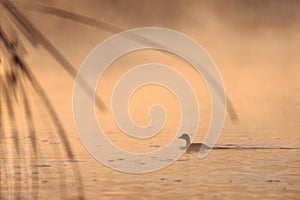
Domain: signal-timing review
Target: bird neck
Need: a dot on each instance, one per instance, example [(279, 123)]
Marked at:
[(188, 142)]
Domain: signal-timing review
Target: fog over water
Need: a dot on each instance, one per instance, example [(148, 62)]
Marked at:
[(255, 45)]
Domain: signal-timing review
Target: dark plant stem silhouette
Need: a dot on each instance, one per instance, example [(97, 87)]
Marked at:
[(14, 83), (104, 26)]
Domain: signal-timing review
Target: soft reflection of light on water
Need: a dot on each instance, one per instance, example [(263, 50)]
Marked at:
[(230, 174)]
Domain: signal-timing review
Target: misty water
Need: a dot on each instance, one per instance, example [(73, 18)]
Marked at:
[(47, 170), (256, 49)]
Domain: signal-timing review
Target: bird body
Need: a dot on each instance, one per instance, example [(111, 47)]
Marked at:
[(195, 147), (191, 147)]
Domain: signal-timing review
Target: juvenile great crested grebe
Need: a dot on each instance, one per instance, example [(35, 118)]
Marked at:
[(196, 147), (190, 147)]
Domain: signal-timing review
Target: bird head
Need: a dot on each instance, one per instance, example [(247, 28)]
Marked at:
[(186, 137)]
